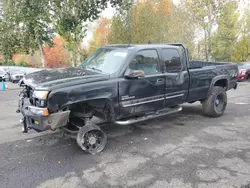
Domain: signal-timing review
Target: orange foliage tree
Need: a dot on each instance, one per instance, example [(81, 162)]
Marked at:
[(21, 59), (56, 56), (31, 60), (100, 35)]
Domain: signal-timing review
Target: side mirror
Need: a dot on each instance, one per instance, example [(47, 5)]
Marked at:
[(134, 73)]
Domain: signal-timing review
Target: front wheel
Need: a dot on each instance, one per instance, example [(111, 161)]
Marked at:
[(215, 104), (91, 138)]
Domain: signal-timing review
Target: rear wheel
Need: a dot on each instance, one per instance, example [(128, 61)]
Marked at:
[(215, 104), (91, 138), (248, 78)]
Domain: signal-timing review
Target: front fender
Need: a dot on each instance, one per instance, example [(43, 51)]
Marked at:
[(63, 97)]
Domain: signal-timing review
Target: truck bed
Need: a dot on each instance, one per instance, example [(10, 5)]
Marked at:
[(201, 64), (202, 74)]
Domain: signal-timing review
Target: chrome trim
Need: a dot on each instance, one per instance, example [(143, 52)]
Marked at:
[(174, 96), (127, 97), (144, 102), (131, 121)]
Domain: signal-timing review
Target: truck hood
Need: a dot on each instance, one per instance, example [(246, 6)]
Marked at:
[(56, 78)]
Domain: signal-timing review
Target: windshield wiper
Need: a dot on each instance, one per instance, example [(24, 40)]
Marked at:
[(93, 68)]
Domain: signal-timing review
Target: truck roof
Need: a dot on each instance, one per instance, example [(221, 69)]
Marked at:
[(168, 45)]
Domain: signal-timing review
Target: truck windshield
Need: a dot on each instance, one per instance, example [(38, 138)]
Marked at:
[(105, 60)]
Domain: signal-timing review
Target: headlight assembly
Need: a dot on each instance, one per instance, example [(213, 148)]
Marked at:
[(39, 111), (40, 94)]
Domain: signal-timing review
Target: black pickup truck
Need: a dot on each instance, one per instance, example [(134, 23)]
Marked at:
[(122, 84)]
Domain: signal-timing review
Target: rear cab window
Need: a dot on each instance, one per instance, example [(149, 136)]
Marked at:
[(172, 60)]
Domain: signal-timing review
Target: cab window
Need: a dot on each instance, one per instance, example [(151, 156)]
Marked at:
[(172, 60), (146, 60)]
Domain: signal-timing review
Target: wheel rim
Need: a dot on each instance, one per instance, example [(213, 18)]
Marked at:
[(93, 141), (220, 103)]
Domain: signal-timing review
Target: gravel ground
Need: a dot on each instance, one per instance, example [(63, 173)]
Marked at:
[(182, 150)]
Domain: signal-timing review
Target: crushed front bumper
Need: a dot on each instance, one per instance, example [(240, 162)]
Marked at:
[(38, 122)]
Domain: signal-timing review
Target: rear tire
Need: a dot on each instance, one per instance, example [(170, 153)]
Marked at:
[(248, 78), (215, 104)]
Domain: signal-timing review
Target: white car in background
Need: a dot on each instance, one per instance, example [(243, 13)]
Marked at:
[(3, 75), (16, 76)]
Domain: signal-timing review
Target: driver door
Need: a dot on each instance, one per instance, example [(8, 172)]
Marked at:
[(143, 94)]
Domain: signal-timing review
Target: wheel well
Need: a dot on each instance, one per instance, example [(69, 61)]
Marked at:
[(222, 83), (101, 108)]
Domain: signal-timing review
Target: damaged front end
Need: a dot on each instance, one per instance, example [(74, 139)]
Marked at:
[(35, 114)]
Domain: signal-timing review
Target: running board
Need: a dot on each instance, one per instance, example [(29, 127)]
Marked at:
[(159, 113)]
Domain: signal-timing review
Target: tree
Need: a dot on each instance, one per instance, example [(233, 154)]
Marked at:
[(34, 23), (21, 60), (181, 28), (225, 37), (56, 56), (71, 16), (9, 44), (204, 13), (120, 29), (100, 35), (155, 21), (141, 23), (30, 25), (242, 47), (241, 52), (9, 33)]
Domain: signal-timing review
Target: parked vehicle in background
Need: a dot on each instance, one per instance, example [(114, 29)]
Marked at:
[(3, 75), (243, 72), (16, 76), (122, 84), (11, 70)]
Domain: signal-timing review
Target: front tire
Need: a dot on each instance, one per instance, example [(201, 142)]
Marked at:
[(91, 138), (215, 104)]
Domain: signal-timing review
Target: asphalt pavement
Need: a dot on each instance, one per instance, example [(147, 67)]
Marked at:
[(183, 150)]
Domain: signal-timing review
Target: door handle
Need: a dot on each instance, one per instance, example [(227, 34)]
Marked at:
[(160, 81)]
